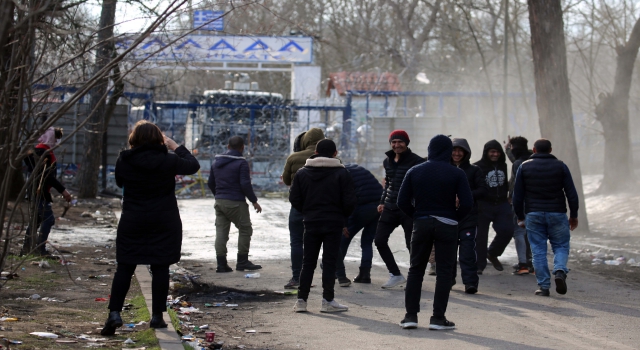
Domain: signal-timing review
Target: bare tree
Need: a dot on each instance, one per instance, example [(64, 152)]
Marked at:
[(552, 88)]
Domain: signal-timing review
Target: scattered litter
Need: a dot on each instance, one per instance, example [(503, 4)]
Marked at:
[(240, 347), (252, 275), (66, 341), (596, 261), (45, 335), (130, 325), (188, 338), (85, 214), (103, 284), (204, 326), (79, 279), (225, 292), (232, 305), (141, 323), (190, 310), (101, 299), (35, 297), (613, 262), (250, 331), (214, 305), (8, 319), (44, 264), (15, 342), (129, 341), (286, 292), (237, 337)]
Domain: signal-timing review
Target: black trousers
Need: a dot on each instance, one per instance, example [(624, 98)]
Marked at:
[(501, 215), (122, 282), (467, 256), (315, 237), (426, 233), (389, 220)]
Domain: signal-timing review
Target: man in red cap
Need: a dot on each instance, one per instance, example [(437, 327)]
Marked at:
[(398, 161)]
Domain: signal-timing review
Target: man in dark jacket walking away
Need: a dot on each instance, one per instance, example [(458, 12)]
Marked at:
[(323, 192), (303, 148), (494, 207), (542, 184), (428, 195), (230, 182), (398, 161), (365, 217), (468, 227), (517, 150)]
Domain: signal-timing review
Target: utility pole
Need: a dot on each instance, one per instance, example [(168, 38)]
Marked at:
[(505, 67)]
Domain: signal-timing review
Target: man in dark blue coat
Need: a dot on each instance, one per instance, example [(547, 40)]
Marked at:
[(365, 217), (428, 195), (542, 184), (230, 182)]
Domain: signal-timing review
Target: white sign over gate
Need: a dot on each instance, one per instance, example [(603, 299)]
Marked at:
[(216, 49)]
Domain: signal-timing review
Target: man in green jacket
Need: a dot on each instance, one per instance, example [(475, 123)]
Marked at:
[(295, 161)]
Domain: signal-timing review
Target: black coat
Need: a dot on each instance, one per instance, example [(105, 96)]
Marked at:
[(520, 157), (323, 192), (45, 179), (150, 229), (495, 174), (542, 184), (476, 182), (394, 174), (368, 189)]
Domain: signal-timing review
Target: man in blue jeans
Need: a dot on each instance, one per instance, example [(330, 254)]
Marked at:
[(542, 183), (365, 217), (428, 195)]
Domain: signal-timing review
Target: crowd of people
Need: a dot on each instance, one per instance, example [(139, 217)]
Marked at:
[(444, 204)]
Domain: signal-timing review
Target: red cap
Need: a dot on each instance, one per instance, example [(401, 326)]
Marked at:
[(399, 135)]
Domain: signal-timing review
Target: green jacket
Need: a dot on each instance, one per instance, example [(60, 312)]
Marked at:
[(296, 160)]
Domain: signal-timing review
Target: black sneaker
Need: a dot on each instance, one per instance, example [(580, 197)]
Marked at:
[(495, 262), (223, 269), (542, 292), (409, 322), (470, 289), (293, 284), (561, 283), (344, 281), (440, 324)]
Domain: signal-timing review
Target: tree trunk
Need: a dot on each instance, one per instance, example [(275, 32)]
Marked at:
[(613, 113), (553, 97), (87, 179)]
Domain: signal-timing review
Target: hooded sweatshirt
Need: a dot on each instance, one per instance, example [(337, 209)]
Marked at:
[(297, 160), (430, 189), (50, 170), (230, 177), (495, 173), (475, 178), (323, 191)]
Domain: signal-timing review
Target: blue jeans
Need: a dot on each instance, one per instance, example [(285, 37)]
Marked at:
[(365, 218), (553, 227), (46, 220), (520, 240), (296, 235)]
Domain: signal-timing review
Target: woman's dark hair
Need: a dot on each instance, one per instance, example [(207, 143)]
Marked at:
[(58, 133), (145, 132)]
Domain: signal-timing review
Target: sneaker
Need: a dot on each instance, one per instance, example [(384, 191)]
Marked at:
[(300, 306), (432, 269), (409, 322), (470, 289), (561, 283), (440, 324), (394, 281), (333, 306), (542, 292), (521, 270), (344, 281), (495, 262), (293, 284)]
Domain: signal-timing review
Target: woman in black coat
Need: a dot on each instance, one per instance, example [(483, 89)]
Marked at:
[(150, 229)]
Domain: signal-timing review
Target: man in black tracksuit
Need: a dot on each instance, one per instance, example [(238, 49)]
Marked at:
[(324, 193), (468, 227), (494, 207), (398, 161)]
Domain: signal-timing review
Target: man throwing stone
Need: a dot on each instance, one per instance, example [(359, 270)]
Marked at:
[(542, 183), (428, 195), (230, 182)]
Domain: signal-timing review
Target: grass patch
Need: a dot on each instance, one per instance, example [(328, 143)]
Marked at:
[(146, 338), (175, 321), (140, 311)]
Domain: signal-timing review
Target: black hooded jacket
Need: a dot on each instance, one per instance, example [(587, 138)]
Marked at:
[(430, 189), (368, 188), (495, 174), (150, 229), (476, 182), (323, 191), (394, 174)]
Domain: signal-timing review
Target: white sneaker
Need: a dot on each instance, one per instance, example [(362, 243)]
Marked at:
[(300, 306), (394, 281), (332, 306)]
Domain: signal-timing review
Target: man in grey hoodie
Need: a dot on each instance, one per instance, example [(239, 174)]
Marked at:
[(230, 182)]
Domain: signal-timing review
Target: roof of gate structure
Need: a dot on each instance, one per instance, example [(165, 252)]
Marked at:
[(363, 81)]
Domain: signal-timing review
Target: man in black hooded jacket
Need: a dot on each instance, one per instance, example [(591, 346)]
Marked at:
[(468, 227), (323, 191), (494, 207)]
